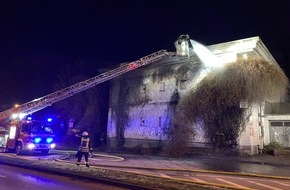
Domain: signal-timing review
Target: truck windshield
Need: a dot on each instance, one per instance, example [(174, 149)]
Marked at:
[(36, 127)]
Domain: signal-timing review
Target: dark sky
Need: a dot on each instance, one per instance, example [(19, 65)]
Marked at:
[(37, 37)]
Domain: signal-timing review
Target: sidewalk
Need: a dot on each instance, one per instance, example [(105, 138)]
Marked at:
[(264, 159), (262, 164), (123, 159), (278, 160)]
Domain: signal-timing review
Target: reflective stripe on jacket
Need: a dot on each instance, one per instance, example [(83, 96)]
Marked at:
[(85, 144)]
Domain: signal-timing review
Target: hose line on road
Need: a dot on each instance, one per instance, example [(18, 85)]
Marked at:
[(114, 158)]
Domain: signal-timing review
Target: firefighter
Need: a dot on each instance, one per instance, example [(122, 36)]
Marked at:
[(84, 149)]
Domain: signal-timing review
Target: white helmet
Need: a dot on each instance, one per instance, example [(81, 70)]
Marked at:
[(85, 133)]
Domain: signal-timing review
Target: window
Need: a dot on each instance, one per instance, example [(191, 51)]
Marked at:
[(276, 123), (40, 128), (159, 121), (127, 90), (162, 86), (183, 84), (25, 128), (143, 88), (142, 121)]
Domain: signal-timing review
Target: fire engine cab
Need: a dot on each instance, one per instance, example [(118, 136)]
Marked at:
[(19, 135)]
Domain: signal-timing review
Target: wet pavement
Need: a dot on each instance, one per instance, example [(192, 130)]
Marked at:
[(220, 171), (261, 164)]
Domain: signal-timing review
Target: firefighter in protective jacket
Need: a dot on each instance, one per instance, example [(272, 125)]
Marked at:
[(84, 149)]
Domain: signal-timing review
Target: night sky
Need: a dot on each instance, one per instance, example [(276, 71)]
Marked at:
[(37, 37)]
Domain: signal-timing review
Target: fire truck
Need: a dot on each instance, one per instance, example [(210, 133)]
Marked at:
[(18, 134), (28, 135)]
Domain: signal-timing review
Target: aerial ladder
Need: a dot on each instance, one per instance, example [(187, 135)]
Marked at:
[(45, 101)]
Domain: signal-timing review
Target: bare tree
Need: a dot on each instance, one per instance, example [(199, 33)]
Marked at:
[(82, 108)]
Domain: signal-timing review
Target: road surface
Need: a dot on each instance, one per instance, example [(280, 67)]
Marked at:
[(15, 178)]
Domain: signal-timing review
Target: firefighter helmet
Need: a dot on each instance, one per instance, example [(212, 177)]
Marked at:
[(85, 133)]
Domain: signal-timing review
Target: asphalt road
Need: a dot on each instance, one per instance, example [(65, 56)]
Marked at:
[(15, 178)]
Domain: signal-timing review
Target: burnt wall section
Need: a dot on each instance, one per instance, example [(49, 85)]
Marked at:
[(142, 102)]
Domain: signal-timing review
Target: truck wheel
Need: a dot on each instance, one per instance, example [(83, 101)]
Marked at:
[(18, 148), (45, 151)]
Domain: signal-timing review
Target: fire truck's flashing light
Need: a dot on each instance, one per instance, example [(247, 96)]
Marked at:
[(18, 116), (14, 116), (49, 140), (21, 115), (37, 140)]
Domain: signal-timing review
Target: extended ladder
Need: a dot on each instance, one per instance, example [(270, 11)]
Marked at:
[(45, 101)]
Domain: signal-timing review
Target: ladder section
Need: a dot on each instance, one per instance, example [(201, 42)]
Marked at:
[(45, 101)]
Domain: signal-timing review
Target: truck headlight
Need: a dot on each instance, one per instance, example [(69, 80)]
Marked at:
[(52, 145), (30, 146)]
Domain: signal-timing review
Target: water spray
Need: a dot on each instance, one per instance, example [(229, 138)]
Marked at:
[(187, 47)]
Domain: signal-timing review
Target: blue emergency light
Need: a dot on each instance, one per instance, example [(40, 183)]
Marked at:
[(49, 140), (37, 140)]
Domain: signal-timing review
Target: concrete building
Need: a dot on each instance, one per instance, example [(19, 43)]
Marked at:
[(142, 102)]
